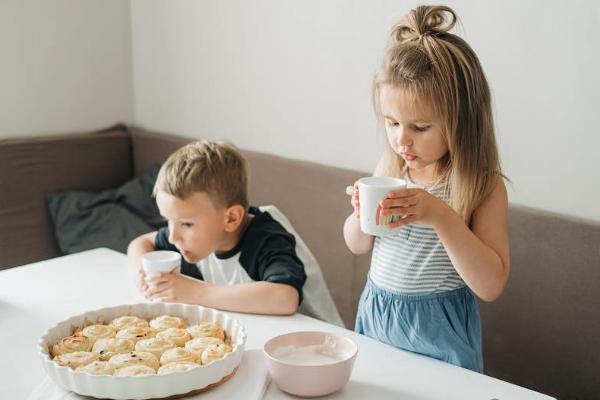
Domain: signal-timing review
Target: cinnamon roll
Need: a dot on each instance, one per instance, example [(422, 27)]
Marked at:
[(109, 347), (134, 358), (156, 346), (70, 344), (199, 344), (206, 329), (128, 321), (179, 354), (167, 321), (136, 333), (178, 335), (95, 332), (214, 352), (76, 359), (97, 368)]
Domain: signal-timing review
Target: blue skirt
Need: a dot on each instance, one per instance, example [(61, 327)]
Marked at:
[(445, 326)]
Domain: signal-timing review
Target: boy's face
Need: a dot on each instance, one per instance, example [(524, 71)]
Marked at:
[(196, 227)]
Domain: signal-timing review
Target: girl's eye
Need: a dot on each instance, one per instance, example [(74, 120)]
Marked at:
[(421, 128), (392, 123)]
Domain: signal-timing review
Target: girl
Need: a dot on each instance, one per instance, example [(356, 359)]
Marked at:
[(432, 96)]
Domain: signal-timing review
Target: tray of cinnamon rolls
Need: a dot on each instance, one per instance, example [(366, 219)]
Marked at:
[(142, 351)]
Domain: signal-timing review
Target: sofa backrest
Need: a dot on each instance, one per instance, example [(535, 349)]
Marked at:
[(32, 167), (544, 331)]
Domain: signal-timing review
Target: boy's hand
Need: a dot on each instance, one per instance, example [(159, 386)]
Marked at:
[(353, 191), (172, 287), (414, 205), (141, 281)]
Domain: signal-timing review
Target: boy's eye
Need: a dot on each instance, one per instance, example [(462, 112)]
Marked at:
[(186, 224)]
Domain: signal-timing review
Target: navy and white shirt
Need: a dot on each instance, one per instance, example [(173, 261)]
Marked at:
[(265, 252)]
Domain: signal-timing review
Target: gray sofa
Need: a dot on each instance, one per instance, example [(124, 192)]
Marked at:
[(543, 333)]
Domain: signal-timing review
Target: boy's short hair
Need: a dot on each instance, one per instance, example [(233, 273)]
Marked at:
[(215, 168)]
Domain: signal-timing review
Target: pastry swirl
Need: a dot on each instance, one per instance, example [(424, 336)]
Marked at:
[(97, 368), (206, 329), (177, 367), (179, 354), (108, 347), (214, 352), (199, 344), (178, 335), (70, 344), (76, 358), (95, 332), (156, 346), (167, 321), (128, 321), (134, 358), (136, 333), (135, 370)]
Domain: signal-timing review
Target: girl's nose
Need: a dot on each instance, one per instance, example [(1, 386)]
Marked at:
[(403, 138)]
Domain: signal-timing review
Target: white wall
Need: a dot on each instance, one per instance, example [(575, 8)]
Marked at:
[(293, 78), (65, 66)]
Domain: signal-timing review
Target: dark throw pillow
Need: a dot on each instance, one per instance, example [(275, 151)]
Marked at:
[(111, 218)]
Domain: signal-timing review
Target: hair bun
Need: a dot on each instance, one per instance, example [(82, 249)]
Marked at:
[(423, 21)]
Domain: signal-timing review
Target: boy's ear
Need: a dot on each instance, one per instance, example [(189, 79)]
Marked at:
[(234, 215)]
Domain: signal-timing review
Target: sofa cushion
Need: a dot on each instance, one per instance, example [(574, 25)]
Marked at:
[(34, 166), (110, 218)]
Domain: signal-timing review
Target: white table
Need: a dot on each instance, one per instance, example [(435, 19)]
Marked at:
[(34, 297)]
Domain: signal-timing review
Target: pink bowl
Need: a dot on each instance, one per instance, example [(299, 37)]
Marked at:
[(310, 380)]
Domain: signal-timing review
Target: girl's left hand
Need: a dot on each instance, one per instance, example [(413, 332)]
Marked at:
[(414, 206), (172, 287)]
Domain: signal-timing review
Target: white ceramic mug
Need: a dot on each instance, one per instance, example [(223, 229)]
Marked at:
[(159, 261), (371, 191)]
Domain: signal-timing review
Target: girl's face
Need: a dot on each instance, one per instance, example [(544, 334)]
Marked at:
[(413, 130)]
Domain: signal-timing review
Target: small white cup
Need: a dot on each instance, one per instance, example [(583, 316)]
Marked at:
[(159, 261), (371, 191)]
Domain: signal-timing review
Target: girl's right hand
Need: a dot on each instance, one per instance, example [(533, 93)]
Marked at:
[(353, 192)]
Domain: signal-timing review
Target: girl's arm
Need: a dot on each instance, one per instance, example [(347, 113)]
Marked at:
[(357, 241), (480, 254)]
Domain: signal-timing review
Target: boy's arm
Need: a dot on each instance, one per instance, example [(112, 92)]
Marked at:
[(253, 297), (136, 249)]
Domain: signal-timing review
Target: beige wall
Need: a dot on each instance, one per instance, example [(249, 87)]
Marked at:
[(293, 78), (65, 66)]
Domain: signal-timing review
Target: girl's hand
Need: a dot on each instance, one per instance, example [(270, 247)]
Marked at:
[(414, 206), (353, 191), (172, 287)]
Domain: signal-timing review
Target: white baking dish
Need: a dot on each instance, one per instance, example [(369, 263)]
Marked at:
[(144, 387)]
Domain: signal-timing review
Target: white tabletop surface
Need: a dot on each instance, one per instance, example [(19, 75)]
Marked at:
[(35, 297)]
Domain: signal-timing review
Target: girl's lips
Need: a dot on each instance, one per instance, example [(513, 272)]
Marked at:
[(409, 156)]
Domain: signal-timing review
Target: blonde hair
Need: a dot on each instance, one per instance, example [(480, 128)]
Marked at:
[(428, 62), (215, 168)]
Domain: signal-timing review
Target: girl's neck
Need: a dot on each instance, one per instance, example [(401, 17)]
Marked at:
[(427, 177)]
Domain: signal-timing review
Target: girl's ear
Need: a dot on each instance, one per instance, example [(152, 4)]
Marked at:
[(234, 215)]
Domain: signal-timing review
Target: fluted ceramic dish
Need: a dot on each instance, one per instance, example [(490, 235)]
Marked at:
[(144, 387)]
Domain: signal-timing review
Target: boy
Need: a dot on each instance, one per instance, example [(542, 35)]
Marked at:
[(235, 257)]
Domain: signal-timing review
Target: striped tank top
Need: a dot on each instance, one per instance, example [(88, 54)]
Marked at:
[(414, 261)]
